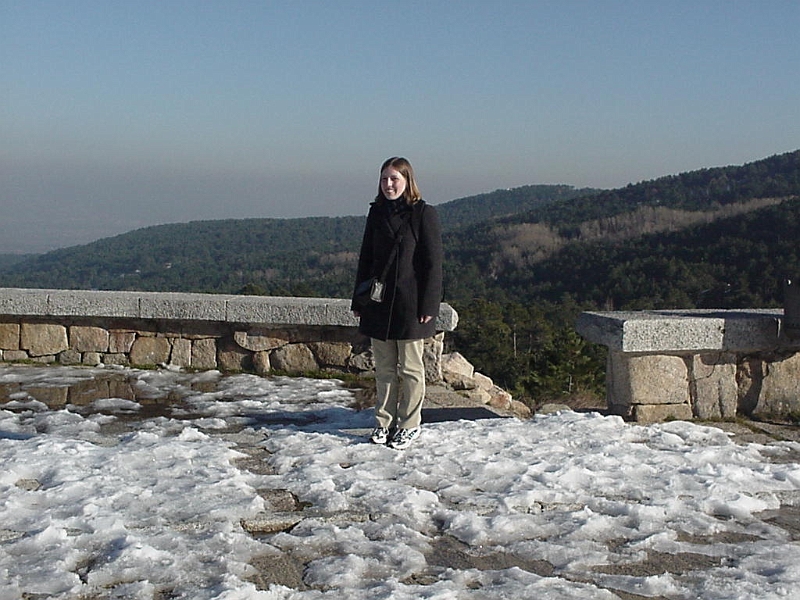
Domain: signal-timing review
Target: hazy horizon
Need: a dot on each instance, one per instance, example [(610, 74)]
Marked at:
[(116, 116), (122, 232)]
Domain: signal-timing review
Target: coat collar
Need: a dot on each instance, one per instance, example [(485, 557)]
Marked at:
[(392, 222)]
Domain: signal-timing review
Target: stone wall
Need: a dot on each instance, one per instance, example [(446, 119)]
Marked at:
[(195, 331), (704, 364)]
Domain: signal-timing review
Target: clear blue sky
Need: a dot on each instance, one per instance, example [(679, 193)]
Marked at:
[(117, 114)]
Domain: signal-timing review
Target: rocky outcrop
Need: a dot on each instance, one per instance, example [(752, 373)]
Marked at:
[(460, 375)]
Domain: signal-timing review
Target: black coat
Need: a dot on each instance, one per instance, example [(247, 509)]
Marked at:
[(414, 280)]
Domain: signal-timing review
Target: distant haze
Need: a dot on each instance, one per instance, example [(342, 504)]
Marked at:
[(115, 115)]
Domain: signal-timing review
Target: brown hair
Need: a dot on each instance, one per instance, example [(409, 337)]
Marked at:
[(412, 194)]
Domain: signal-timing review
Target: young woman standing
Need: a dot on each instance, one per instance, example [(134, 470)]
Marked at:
[(402, 246)]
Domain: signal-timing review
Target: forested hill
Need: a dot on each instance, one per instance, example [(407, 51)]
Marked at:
[(463, 212), (716, 238), (612, 231), (737, 261), (311, 256), (773, 177), (492, 241), (7, 260), (520, 264)]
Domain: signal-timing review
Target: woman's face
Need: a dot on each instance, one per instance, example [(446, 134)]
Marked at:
[(393, 184)]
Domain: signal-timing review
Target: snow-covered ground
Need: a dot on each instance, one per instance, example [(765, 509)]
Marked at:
[(111, 499)]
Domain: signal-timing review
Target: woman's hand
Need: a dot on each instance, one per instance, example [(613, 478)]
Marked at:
[(425, 319)]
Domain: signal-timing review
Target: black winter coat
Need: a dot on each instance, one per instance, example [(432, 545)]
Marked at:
[(414, 281)]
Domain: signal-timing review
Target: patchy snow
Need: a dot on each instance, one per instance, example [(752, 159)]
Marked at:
[(111, 498)]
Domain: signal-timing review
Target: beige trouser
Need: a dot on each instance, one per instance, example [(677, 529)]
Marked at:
[(400, 382)]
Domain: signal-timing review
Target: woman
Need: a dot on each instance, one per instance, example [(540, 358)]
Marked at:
[(398, 325)]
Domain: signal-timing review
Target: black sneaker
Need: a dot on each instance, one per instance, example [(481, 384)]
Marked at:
[(380, 435), (403, 437)]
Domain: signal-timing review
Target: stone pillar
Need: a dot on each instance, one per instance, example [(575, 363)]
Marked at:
[(770, 385), (712, 384), (648, 388)]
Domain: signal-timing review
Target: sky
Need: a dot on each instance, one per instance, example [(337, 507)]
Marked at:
[(115, 115), (562, 506)]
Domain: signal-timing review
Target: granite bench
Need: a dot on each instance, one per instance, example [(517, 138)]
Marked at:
[(704, 364)]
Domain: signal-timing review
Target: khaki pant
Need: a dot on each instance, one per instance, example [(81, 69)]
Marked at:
[(400, 382)]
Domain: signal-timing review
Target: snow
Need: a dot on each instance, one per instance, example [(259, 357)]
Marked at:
[(129, 498)]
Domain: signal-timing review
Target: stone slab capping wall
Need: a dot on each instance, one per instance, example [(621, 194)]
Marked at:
[(196, 331), (705, 364)]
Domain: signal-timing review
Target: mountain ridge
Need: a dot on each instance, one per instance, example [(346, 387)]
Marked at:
[(139, 259), (493, 237)]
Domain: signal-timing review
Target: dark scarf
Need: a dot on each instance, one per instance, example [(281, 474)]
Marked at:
[(398, 207), (398, 213)]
